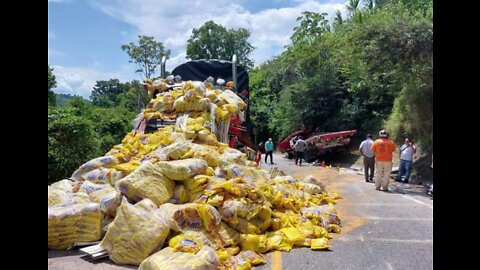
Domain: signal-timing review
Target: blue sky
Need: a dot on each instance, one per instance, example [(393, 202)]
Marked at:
[(85, 36)]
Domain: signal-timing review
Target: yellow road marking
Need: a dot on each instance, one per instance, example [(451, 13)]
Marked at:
[(276, 260)]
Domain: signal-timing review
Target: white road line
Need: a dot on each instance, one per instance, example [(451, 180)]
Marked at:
[(376, 204), (406, 241), (387, 218), (417, 201), (389, 266)]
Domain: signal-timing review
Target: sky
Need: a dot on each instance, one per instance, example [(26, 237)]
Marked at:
[(85, 36)]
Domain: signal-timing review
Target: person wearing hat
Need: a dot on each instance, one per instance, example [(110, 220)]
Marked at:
[(383, 149), (368, 158), (269, 150), (407, 150)]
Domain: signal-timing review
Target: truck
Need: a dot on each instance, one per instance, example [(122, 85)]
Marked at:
[(240, 129), (318, 144)]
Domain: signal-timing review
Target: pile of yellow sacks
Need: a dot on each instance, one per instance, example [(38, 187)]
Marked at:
[(178, 198), (70, 224)]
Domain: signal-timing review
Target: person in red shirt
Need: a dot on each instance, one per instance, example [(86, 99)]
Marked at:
[(383, 149)]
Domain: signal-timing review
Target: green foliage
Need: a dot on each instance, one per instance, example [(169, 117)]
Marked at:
[(135, 99), (80, 131), (147, 54), (375, 69), (71, 141), (61, 99), (52, 83), (214, 41)]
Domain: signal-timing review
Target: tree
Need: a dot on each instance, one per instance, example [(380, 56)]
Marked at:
[(135, 99), (338, 18), (147, 54), (52, 83), (105, 93), (368, 4), (214, 41), (71, 142), (353, 6), (312, 25)]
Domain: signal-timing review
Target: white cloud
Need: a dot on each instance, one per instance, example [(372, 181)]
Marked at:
[(80, 80), (172, 22)]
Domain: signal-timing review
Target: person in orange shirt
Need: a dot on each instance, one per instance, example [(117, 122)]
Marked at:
[(383, 149)]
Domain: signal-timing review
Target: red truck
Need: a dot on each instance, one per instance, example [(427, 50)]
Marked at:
[(317, 144)]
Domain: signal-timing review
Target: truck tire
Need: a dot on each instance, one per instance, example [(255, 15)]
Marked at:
[(310, 155)]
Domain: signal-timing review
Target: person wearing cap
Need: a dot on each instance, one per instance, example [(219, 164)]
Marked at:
[(269, 150), (368, 158), (406, 159), (383, 149)]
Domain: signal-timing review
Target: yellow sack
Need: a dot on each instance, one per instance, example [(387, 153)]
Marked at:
[(233, 99), (312, 180), (108, 198), (252, 175), (293, 235), (185, 243), (104, 176), (310, 188), (334, 228), (253, 242), (147, 181), (320, 243), (179, 195), (100, 162), (182, 169), (173, 151), (253, 257), (128, 167), (211, 95), (237, 263), (64, 185), (73, 223), (197, 216), (56, 196), (134, 234), (168, 259), (228, 235)]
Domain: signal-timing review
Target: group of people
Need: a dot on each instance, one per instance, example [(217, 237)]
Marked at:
[(297, 143), (267, 149), (378, 155)]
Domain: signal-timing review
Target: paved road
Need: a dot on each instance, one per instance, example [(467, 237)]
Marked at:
[(380, 230)]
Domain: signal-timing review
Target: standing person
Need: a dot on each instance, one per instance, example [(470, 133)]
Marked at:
[(261, 147), (269, 150), (383, 150), (300, 147), (406, 159), (368, 158)]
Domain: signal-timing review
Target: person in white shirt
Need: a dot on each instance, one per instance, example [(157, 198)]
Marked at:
[(406, 159), (368, 158), (300, 147)]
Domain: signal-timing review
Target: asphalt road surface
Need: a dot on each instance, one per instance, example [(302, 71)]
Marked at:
[(380, 230)]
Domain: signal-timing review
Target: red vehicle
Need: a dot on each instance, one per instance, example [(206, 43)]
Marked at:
[(317, 144)]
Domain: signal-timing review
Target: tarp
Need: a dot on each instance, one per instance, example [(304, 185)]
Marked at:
[(200, 70)]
